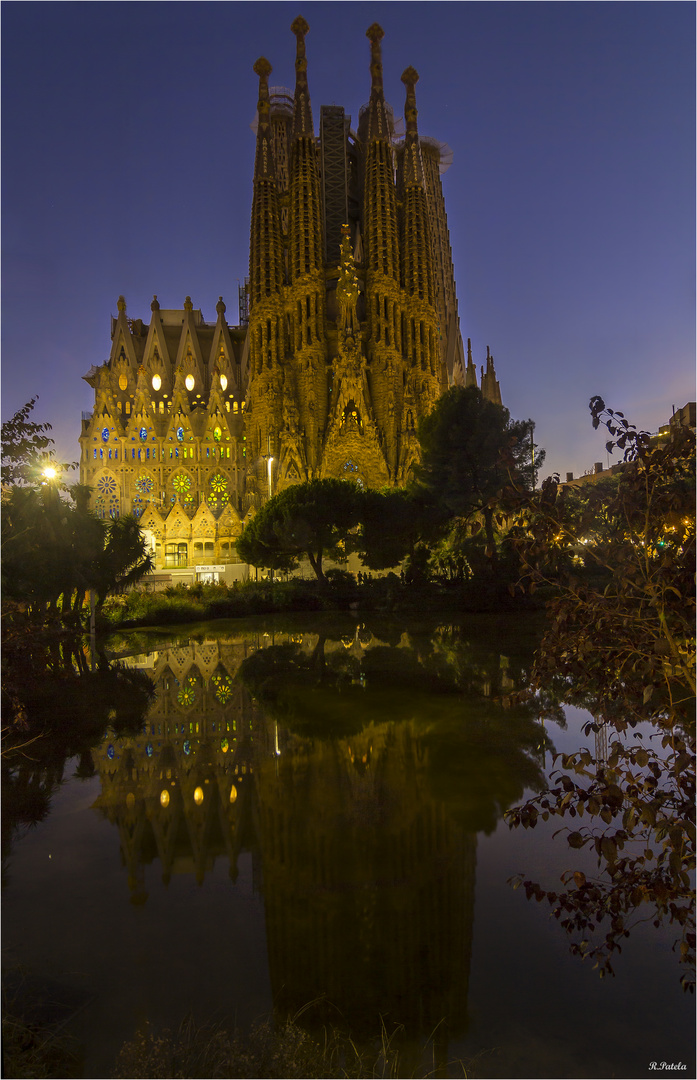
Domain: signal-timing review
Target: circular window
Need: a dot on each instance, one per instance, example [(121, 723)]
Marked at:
[(123, 382), (189, 382), (105, 434), (144, 485), (106, 485), (156, 382), (180, 434), (223, 382)]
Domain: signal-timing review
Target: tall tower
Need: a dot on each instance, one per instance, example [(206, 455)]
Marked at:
[(350, 334)]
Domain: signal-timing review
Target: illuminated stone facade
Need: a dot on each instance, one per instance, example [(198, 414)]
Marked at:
[(350, 336)]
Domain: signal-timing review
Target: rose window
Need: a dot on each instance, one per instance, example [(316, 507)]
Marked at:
[(106, 486), (144, 485), (186, 696), (181, 484), (223, 687)]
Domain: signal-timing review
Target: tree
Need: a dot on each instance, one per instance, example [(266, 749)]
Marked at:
[(25, 448), (393, 521), (313, 519), (622, 646), (471, 449)]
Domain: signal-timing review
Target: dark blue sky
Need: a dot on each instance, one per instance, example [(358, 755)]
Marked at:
[(127, 165)]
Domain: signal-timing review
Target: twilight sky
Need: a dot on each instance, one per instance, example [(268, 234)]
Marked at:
[(127, 168)]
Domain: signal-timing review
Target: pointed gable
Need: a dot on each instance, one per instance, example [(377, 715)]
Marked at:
[(151, 519), (178, 524), (203, 522), (229, 523), (189, 354)]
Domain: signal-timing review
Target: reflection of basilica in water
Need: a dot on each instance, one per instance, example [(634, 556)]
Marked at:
[(367, 878)]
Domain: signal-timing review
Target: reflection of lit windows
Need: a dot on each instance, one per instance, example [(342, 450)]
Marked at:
[(130, 800), (233, 793), (224, 745), (110, 752), (223, 382), (189, 382), (156, 382), (148, 749), (186, 696), (223, 688), (198, 796), (187, 747), (164, 797)]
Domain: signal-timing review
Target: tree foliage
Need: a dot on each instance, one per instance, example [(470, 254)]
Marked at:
[(471, 450), (26, 446), (621, 643), (312, 519)]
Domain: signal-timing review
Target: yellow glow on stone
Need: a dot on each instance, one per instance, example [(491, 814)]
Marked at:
[(233, 793), (164, 797)]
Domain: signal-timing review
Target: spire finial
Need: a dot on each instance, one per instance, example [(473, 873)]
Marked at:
[(155, 305), (263, 69), (121, 303), (302, 118), (410, 77), (469, 350), (375, 34)]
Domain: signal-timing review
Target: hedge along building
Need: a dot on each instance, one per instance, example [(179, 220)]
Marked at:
[(351, 334)]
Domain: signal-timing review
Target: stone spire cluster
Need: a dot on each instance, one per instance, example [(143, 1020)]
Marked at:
[(349, 331)]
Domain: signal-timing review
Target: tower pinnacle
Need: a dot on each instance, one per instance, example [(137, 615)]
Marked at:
[(302, 110)]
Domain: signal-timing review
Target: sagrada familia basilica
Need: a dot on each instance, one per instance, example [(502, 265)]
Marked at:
[(348, 334)]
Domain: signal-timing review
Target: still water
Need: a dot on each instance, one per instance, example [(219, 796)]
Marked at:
[(313, 813)]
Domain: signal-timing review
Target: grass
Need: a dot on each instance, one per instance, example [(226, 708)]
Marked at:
[(285, 1051), (197, 603)]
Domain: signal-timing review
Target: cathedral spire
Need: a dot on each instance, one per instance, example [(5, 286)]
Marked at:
[(266, 256), (302, 109), (413, 168), (377, 114)]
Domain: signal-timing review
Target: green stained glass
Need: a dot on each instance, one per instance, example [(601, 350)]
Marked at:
[(181, 484)]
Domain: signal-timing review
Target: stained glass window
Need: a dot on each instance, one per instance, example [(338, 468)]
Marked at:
[(156, 382), (224, 745), (223, 687), (187, 747), (217, 433), (105, 434), (144, 485), (181, 483), (180, 434)]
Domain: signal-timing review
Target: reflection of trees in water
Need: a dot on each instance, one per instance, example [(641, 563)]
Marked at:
[(56, 708), (358, 778)]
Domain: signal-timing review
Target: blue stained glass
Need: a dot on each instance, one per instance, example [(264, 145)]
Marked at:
[(143, 434), (148, 749), (105, 434), (180, 434), (110, 751), (187, 747)]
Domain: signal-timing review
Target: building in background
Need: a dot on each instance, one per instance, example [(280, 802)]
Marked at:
[(348, 334)]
